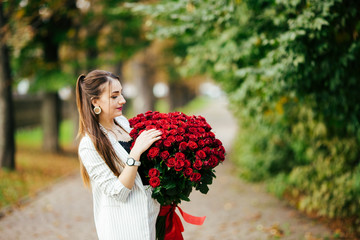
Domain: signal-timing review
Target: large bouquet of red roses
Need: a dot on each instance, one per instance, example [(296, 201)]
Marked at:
[(183, 159)]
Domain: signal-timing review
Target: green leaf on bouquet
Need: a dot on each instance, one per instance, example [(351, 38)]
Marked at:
[(207, 178), (203, 188), (184, 197), (172, 191), (157, 190), (170, 185)]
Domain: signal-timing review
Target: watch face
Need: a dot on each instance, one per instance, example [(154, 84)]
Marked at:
[(130, 161)]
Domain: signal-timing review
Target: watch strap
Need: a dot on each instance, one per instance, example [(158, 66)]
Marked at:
[(133, 162)]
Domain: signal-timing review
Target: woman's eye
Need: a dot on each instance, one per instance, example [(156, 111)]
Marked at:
[(114, 97)]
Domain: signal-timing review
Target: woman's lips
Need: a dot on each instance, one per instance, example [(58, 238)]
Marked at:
[(120, 108)]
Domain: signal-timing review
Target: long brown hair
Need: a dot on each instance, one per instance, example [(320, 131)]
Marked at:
[(88, 88)]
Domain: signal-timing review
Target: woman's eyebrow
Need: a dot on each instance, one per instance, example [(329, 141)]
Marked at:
[(116, 91)]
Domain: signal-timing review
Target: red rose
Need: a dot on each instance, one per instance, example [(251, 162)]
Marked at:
[(139, 125), (133, 133), (173, 125), (179, 138), (134, 121), (182, 125), (181, 130), (222, 149), (162, 122), (164, 155), (201, 130), (183, 146), (221, 156), (171, 139), (157, 116), (193, 130), (153, 152), (179, 165), (150, 127), (187, 163), (214, 151), (195, 177), (171, 162), (154, 182), (173, 132), (180, 156), (207, 127), (149, 113), (158, 143), (208, 141), (201, 154), (153, 172), (192, 145), (188, 172), (207, 150), (217, 142), (193, 137), (213, 161), (198, 164), (201, 143), (167, 143)]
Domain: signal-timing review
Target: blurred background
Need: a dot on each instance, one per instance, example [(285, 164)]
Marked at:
[(289, 69)]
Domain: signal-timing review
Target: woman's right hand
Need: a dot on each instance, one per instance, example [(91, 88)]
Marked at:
[(144, 141)]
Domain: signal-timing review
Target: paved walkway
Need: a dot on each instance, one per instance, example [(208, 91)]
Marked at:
[(234, 209)]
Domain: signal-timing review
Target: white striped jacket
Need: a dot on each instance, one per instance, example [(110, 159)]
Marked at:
[(119, 213)]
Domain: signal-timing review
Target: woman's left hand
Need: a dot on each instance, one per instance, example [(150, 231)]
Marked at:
[(144, 141)]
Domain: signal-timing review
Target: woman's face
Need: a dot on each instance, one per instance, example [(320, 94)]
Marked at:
[(111, 100)]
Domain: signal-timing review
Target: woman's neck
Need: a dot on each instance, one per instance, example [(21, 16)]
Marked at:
[(107, 123)]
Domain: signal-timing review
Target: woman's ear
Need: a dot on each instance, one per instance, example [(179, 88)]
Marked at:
[(94, 102)]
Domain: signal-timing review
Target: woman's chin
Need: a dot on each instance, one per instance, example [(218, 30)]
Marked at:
[(118, 114)]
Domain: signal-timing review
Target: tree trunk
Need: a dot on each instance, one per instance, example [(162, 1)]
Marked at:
[(118, 69), (51, 113), (91, 57), (179, 94), (143, 73), (7, 141)]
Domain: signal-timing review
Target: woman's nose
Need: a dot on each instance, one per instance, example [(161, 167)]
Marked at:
[(122, 100)]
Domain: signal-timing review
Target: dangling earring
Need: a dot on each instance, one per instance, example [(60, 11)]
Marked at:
[(97, 110)]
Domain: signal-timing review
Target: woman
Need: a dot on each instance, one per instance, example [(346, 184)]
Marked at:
[(123, 207)]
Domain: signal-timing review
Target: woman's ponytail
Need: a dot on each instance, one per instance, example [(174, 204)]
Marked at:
[(79, 103)]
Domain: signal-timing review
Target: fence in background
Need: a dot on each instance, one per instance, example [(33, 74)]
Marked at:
[(28, 110)]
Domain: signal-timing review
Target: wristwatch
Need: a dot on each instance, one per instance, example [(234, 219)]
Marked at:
[(132, 162)]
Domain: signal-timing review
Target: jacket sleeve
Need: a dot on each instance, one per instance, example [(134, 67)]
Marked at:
[(100, 173)]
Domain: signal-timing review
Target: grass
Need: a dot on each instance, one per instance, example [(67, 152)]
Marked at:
[(32, 137), (35, 169), (195, 105)]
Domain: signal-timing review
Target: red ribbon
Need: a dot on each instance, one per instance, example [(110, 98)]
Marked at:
[(173, 225)]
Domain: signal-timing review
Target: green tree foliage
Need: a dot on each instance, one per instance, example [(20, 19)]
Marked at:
[(53, 40), (290, 70), (42, 27), (108, 33)]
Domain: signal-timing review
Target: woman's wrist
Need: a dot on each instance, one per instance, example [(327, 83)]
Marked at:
[(135, 155)]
